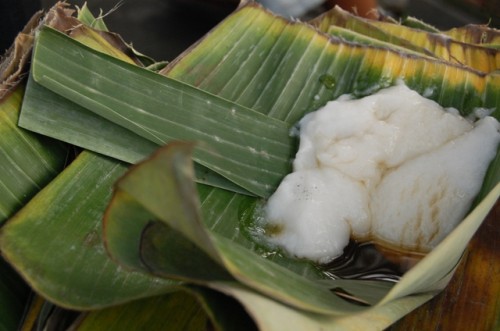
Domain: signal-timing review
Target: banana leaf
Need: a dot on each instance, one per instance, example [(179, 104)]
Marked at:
[(475, 34), (188, 68), (294, 52), (114, 40), (49, 114), (419, 74), (175, 202), (27, 161), (240, 142), (470, 98), (86, 17), (413, 22), (55, 240), (272, 315), (473, 55), (350, 35), (93, 33), (31, 161), (195, 64), (337, 17), (188, 308), (60, 18), (168, 169), (436, 44)]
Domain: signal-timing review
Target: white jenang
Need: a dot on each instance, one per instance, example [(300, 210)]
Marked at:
[(393, 167)]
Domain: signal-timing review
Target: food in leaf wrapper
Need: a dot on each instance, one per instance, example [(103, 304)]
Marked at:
[(82, 245), (393, 167)]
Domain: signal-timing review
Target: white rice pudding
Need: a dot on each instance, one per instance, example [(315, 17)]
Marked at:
[(393, 167)]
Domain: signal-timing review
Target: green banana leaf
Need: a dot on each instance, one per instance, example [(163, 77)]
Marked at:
[(188, 308), (263, 311), (393, 303), (413, 22), (86, 17), (271, 86), (42, 258), (175, 202), (27, 161), (49, 114), (118, 45), (200, 67), (178, 312), (168, 169), (259, 158), (240, 143), (55, 240), (455, 87), (326, 68)]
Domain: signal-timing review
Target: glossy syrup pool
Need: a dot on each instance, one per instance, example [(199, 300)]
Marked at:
[(360, 260), (363, 261)]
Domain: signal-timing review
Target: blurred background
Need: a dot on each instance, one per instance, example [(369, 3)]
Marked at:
[(162, 29)]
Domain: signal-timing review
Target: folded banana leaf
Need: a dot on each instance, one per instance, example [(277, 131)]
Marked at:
[(190, 308), (294, 52), (58, 214), (471, 33), (415, 23), (435, 44), (363, 39), (475, 34), (86, 17), (270, 65), (477, 56), (141, 196), (48, 114), (337, 17), (194, 62), (239, 142), (27, 161), (55, 240)]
